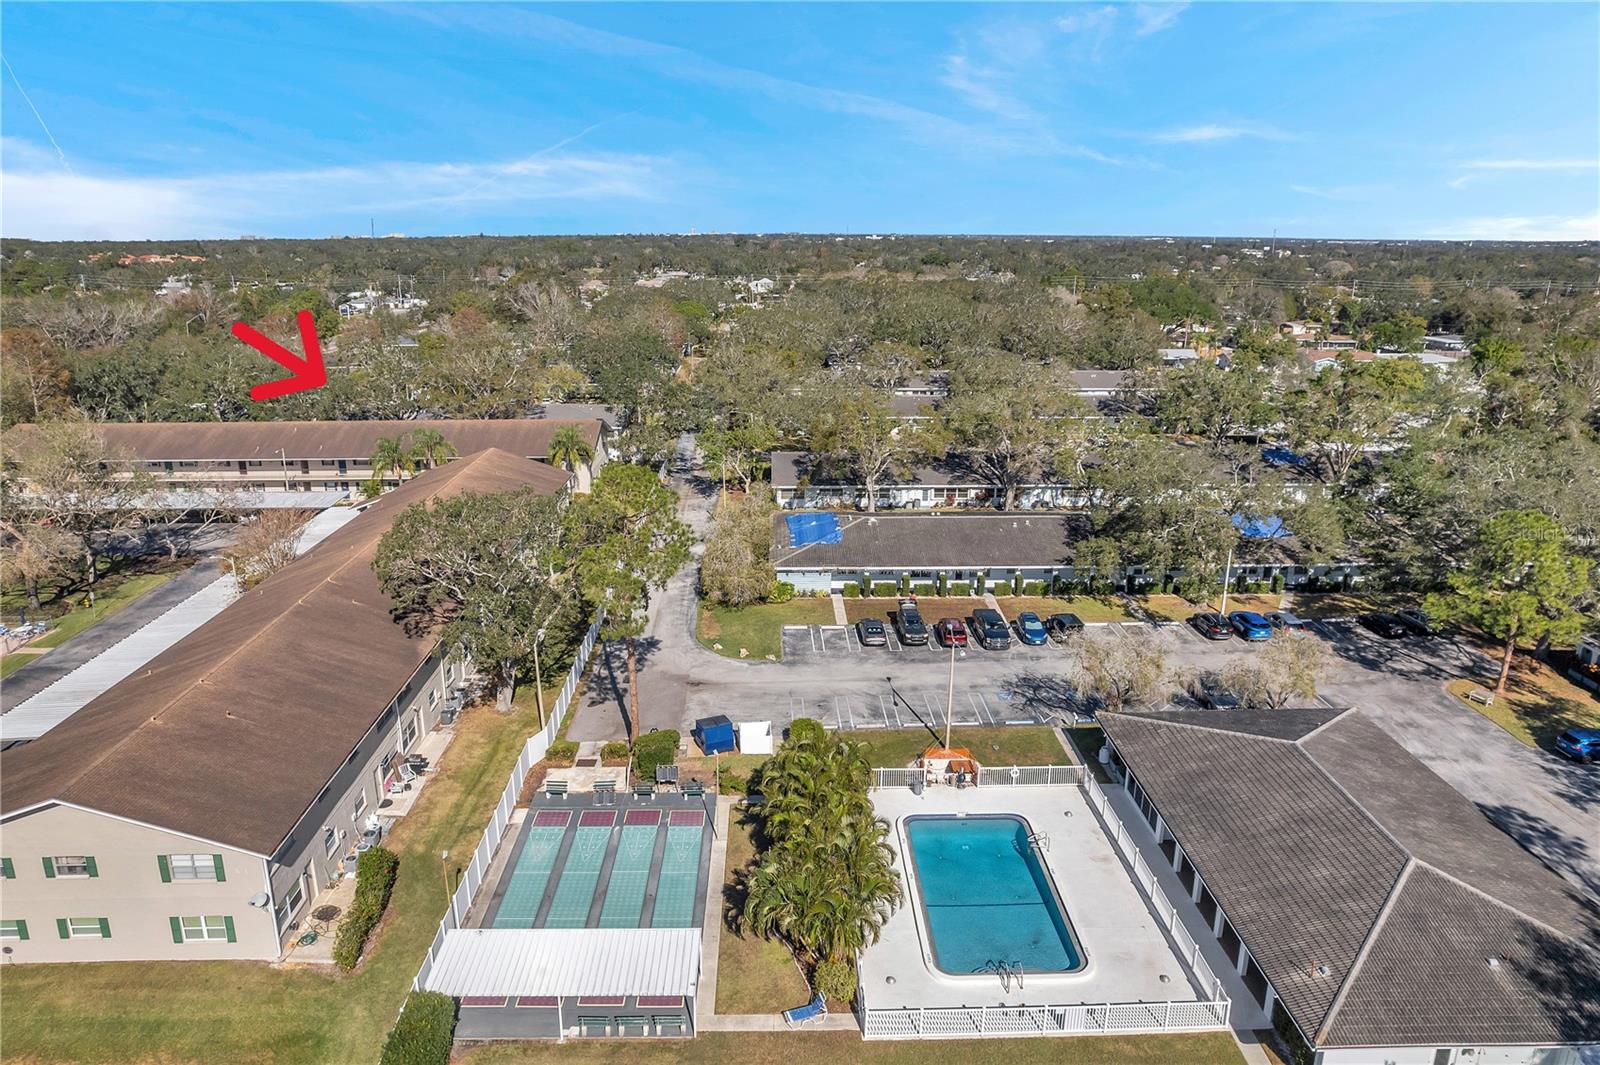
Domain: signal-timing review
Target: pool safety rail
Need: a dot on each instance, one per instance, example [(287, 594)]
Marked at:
[(532, 751), (1019, 776), (965, 1022)]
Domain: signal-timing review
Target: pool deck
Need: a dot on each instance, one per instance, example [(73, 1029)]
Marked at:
[(1127, 951)]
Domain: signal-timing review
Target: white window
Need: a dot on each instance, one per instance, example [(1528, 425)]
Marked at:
[(433, 698), (449, 672), (10, 929), (71, 865), (360, 803), (85, 928), (330, 841), (408, 731), (204, 927), (291, 905), (192, 866)]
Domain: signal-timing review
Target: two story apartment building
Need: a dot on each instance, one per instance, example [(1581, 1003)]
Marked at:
[(300, 456), (194, 808)]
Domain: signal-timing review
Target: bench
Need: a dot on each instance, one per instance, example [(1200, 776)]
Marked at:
[(1482, 696), (555, 788), (692, 789), (644, 791)]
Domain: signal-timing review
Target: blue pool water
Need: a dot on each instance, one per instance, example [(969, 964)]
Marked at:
[(986, 897)]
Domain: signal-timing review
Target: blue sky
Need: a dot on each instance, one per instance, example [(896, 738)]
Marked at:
[(1357, 120)]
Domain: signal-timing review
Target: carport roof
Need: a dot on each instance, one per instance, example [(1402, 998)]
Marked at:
[(1328, 844), (935, 541), (567, 961)]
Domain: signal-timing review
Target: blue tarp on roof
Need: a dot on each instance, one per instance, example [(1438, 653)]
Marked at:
[(1260, 528), (808, 529), (1282, 456)]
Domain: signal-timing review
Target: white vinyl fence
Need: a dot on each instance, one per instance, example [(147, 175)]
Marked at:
[(532, 751), (1021, 776)]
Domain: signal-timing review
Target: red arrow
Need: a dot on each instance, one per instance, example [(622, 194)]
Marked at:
[(304, 374)]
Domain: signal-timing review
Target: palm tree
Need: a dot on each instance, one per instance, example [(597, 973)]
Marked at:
[(429, 448), (568, 448), (826, 883), (390, 455)]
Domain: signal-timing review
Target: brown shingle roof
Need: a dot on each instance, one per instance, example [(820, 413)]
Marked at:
[(231, 733), (1327, 843), (261, 441)]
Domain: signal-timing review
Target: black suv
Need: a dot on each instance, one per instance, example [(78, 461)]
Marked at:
[(909, 624), (990, 629)]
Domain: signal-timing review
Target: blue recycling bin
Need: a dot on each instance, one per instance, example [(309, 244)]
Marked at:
[(714, 734)]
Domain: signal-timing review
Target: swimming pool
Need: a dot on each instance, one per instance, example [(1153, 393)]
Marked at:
[(986, 898)]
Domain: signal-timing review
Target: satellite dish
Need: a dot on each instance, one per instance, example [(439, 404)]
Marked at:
[(260, 899)]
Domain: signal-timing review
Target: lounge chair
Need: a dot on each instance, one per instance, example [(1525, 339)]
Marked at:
[(811, 1012)]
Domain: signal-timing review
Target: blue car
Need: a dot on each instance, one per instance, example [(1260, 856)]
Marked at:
[(1030, 630), (1580, 744), (1250, 625)]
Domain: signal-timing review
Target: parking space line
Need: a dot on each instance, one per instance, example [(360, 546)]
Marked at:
[(847, 710), (888, 707), (979, 709)]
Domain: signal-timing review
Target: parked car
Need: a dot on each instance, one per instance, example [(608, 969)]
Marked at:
[(1063, 627), (1030, 630), (950, 632), (1580, 744), (1211, 625), (1282, 619), (1416, 621), (1385, 624), (909, 624), (990, 629), (872, 632), (1250, 625), (1211, 694)]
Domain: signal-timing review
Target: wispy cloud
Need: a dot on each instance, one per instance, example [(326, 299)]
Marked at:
[(1153, 18), (1211, 133), (1522, 227), (983, 88), (43, 202)]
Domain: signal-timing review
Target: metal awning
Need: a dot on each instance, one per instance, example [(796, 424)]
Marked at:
[(566, 961)]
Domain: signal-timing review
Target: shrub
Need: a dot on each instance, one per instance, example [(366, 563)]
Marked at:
[(1016, 583), (850, 591), (654, 748), (905, 583), (885, 589), (806, 728), (1002, 588), (1277, 582), (944, 583), (1300, 1052), (615, 751), (423, 1034), (923, 589), (836, 982), (561, 752), (1033, 588), (782, 592), (960, 588), (866, 585), (375, 873)]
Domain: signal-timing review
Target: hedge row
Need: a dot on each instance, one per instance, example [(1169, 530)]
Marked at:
[(653, 749), (375, 873), (423, 1034)]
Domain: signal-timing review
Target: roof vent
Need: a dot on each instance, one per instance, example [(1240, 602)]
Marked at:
[(1494, 963), (1323, 970)]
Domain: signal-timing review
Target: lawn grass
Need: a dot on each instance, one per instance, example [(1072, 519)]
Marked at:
[(1088, 608), (786, 1048), (1086, 741), (757, 630), (1014, 745), (1538, 705), (1321, 605), (15, 661), (107, 601), (732, 768), (931, 607), (1177, 608), (248, 1012), (754, 975)]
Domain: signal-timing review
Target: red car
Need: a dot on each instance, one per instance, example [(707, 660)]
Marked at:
[(951, 632)]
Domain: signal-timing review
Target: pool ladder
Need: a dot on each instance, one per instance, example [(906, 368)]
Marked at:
[(1006, 971), (1039, 841)]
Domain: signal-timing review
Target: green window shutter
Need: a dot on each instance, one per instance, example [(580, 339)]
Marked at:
[(94, 870), (61, 924), (6, 869), (50, 868), (105, 928), (227, 923), (177, 929), (221, 873), (165, 867), (22, 929)]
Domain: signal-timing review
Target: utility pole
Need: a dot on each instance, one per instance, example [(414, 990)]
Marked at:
[(1226, 569), (950, 696)]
